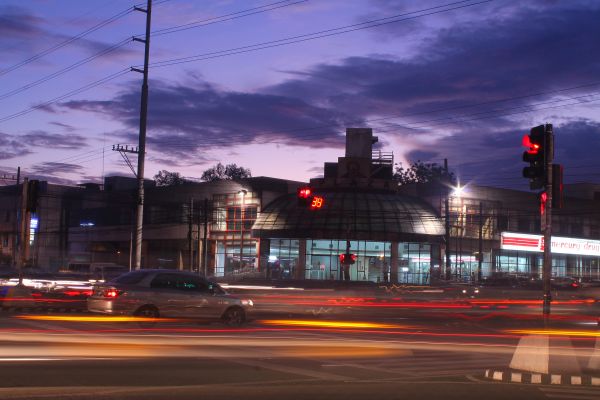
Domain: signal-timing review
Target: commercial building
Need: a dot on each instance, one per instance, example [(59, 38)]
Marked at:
[(259, 227)]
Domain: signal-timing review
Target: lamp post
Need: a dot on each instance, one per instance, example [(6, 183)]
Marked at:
[(457, 192), (243, 194)]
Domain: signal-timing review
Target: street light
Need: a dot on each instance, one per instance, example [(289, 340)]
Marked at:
[(455, 192), (243, 193)]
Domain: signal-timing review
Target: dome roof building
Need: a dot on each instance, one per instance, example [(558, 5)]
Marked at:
[(354, 225)]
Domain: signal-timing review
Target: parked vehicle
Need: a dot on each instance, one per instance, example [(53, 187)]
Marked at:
[(168, 293), (96, 271)]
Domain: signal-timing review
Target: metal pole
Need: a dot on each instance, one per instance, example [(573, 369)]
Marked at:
[(243, 193), (24, 233), (205, 239), (16, 242), (480, 258), (130, 248), (142, 141), (191, 235), (198, 244), (447, 223), (548, 226)]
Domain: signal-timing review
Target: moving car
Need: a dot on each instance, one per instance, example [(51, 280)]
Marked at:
[(158, 293)]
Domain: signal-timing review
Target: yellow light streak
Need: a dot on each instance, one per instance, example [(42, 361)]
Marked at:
[(96, 318), (553, 332), (330, 324)]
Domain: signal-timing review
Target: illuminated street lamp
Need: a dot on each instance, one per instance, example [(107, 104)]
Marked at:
[(242, 193), (457, 191)]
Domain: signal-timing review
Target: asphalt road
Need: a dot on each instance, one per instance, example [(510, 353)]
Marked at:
[(317, 345)]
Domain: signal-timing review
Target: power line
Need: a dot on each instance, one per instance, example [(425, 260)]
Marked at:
[(73, 39), (223, 18), (123, 42), (63, 71), (319, 34), (64, 43), (67, 95)]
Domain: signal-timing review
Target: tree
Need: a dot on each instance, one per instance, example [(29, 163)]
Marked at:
[(420, 172), (166, 178), (225, 172)]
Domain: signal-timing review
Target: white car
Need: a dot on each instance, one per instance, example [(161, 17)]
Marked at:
[(158, 293)]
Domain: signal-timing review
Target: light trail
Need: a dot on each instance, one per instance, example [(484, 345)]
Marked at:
[(332, 324), (555, 332), (96, 318)]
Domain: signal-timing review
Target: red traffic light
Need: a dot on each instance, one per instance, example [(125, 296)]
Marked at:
[(347, 258), (543, 201), (533, 148), (304, 193)]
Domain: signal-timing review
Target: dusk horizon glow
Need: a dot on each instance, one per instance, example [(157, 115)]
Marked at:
[(273, 85)]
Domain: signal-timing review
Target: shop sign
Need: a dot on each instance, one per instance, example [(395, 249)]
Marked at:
[(560, 245)]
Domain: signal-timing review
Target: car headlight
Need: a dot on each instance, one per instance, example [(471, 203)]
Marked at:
[(476, 290), (248, 303), (464, 290)]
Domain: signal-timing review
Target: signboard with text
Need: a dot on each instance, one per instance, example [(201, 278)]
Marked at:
[(560, 245)]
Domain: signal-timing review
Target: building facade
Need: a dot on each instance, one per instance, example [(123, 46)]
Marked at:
[(259, 227)]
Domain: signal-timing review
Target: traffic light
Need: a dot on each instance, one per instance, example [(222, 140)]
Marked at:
[(543, 202), (307, 198), (33, 188), (537, 156), (347, 258), (557, 186), (304, 195)]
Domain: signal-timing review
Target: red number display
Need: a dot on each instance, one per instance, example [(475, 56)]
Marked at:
[(317, 202)]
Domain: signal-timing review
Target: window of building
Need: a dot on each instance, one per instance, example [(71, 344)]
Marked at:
[(523, 225), (502, 223)]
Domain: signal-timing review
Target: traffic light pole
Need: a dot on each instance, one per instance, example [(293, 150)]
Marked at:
[(547, 269)]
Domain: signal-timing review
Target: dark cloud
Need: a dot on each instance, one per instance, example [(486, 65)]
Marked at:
[(53, 169), (53, 140), (185, 119), (11, 147), (496, 160), (64, 126), (17, 23), (464, 94), (23, 32), (466, 64)]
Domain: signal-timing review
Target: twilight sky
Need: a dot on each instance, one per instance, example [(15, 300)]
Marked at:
[(271, 85)]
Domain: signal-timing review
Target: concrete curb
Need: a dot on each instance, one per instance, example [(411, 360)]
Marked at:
[(513, 376)]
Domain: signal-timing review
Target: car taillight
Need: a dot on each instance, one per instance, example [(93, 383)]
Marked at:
[(574, 284), (111, 293)]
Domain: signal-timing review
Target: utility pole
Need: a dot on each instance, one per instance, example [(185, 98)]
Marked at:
[(142, 136)]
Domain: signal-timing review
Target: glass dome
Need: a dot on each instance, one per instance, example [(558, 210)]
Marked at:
[(351, 215)]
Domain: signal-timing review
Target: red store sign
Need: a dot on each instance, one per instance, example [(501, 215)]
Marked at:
[(560, 245)]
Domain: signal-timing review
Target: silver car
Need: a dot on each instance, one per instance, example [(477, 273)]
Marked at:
[(158, 293)]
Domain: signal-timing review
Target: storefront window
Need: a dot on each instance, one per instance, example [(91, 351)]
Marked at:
[(414, 262), (373, 260), (283, 258)]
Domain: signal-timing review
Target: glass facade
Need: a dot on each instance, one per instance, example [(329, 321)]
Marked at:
[(233, 217), (373, 260), (414, 263)]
